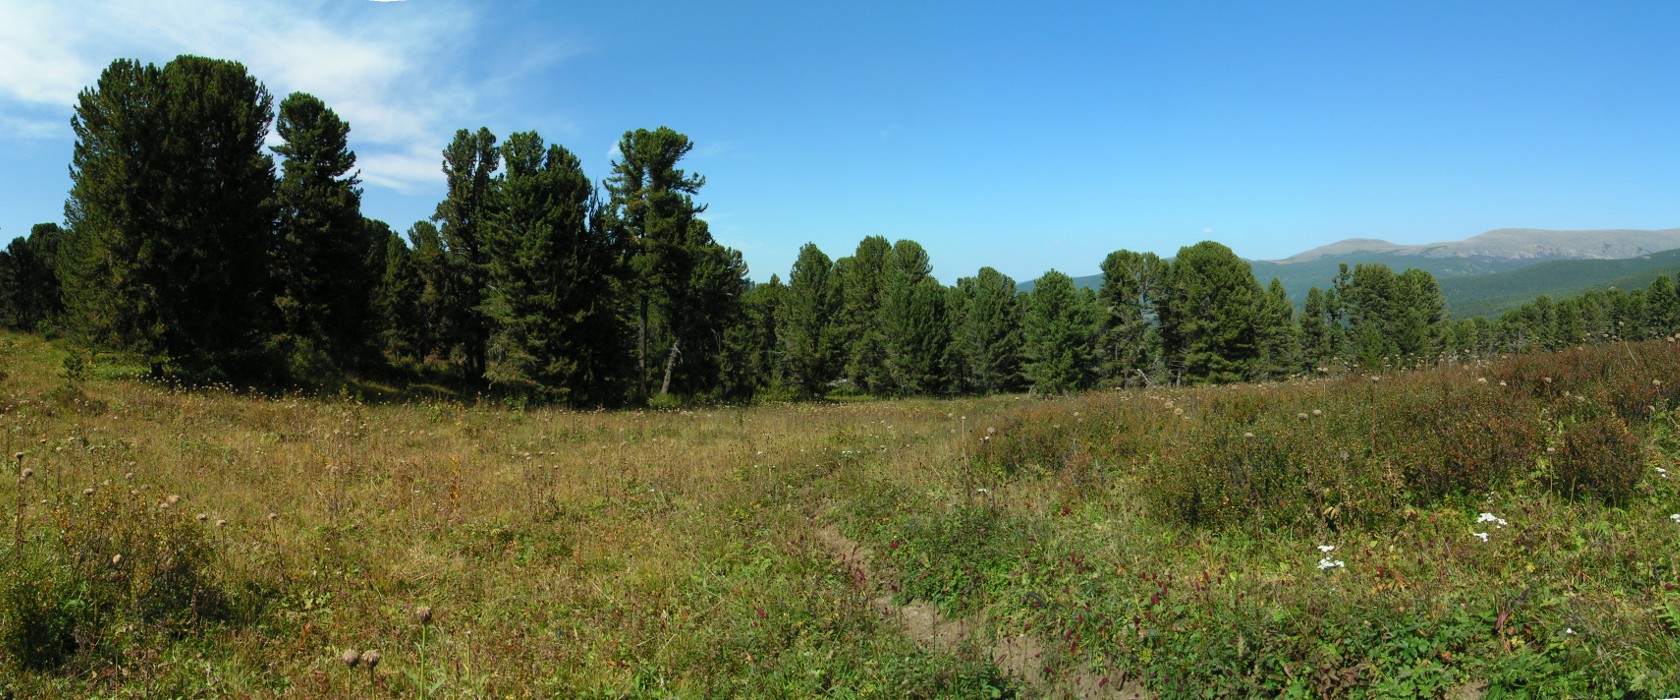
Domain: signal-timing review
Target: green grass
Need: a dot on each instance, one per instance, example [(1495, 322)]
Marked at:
[(1139, 537)]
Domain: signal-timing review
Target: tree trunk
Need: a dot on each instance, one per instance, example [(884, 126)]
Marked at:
[(641, 351), (670, 363)]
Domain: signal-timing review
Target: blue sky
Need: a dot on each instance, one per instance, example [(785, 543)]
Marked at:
[(1020, 136)]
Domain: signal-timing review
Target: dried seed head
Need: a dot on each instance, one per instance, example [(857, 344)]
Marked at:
[(221, 523), (116, 559), (18, 456), (1248, 436), (87, 492), (173, 499), (203, 517), (351, 658), (273, 516), (1301, 416), (371, 657), (1317, 412), (423, 614), (27, 472)]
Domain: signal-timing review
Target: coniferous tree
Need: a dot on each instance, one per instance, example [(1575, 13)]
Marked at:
[(675, 268), (29, 287), (1318, 347), (1662, 309), (751, 360), (1058, 332), (397, 303), (433, 306), (548, 261), (915, 330), (864, 279), (169, 214), (1278, 336), (1207, 314), (469, 166), (808, 336), (987, 334), (322, 266), (1130, 287)]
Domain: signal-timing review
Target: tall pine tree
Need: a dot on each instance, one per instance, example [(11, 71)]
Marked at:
[(469, 166), (169, 214), (549, 265), (1058, 332), (808, 336), (322, 263)]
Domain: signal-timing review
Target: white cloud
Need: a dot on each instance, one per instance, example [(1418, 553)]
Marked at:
[(398, 74)]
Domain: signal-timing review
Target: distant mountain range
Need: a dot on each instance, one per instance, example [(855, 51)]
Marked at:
[(1488, 274)]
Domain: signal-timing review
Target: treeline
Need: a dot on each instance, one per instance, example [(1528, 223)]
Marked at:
[(186, 244)]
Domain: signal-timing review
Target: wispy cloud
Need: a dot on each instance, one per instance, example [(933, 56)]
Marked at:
[(398, 72)]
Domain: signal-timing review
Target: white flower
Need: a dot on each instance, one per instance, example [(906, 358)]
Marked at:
[(982, 491), (1482, 535), (1569, 630), (1675, 517), (1326, 563), (1662, 473), (1326, 548), (1491, 518)]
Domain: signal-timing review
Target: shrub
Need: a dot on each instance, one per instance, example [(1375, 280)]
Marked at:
[(41, 606), (1598, 456)]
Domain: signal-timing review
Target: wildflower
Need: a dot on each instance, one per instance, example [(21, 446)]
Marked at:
[(273, 516), (1178, 411), (173, 499), (1569, 630), (1248, 436), (1482, 535), (1491, 518), (202, 517), (27, 472), (1481, 380), (1317, 413), (350, 658), (1675, 517), (1326, 563), (1662, 473), (1656, 382), (1300, 416), (982, 491), (87, 492), (221, 523), (423, 614), (116, 559), (1326, 548), (371, 657)]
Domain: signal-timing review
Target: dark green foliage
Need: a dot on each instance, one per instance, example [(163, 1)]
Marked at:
[(750, 361), (469, 164), (549, 270), (432, 307), (1279, 336), (686, 287), (987, 333), (808, 337), (916, 332), (29, 287), (1207, 312), (864, 278), (1131, 288), (1058, 330), (1318, 336), (169, 214), (397, 302), (323, 266)]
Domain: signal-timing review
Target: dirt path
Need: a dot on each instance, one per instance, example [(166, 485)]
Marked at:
[(1019, 655)]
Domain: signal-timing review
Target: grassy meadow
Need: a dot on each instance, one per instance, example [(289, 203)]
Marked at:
[(1499, 530)]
